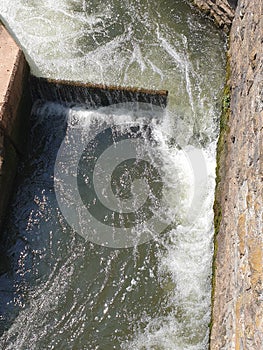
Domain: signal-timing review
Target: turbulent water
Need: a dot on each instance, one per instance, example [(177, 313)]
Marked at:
[(99, 269)]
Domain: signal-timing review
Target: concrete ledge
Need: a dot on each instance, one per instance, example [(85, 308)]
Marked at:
[(15, 105)]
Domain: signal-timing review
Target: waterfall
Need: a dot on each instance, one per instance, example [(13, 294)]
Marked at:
[(91, 95)]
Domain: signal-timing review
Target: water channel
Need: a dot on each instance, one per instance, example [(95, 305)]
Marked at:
[(137, 276)]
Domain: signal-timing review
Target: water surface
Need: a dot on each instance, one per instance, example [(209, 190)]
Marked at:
[(62, 291)]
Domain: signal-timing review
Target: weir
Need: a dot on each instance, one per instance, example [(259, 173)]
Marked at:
[(88, 95), (152, 289)]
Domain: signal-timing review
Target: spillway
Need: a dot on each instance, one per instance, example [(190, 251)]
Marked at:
[(109, 236)]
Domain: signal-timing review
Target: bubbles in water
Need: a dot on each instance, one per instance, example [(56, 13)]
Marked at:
[(97, 145)]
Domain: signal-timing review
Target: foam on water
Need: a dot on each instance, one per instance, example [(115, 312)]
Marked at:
[(66, 293), (182, 255), (137, 43)]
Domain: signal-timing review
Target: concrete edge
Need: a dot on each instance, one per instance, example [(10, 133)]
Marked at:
[(15, 105)]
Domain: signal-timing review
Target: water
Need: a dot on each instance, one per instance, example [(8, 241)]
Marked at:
[(64, 289)]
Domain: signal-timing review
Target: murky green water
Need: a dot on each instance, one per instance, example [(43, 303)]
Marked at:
[(63, 291)]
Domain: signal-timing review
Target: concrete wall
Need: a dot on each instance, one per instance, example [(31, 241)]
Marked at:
[(14, 111)]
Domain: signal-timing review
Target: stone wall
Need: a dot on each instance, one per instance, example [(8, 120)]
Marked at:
[(238, 281), (222, 11), (14, 111)]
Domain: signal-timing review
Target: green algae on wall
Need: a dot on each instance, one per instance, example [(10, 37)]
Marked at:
[(220, 168)]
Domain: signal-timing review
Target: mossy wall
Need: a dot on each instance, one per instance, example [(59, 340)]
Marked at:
[(237, 304), (237, 315)]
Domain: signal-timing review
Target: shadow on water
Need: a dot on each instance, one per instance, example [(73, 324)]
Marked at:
[(14, 241)]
